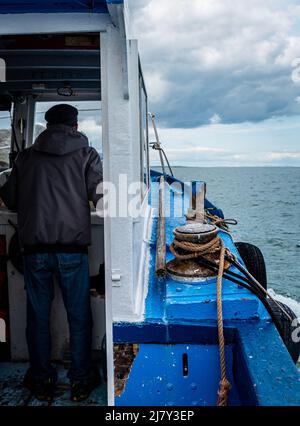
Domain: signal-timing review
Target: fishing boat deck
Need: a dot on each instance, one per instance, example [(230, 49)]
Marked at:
[(12, 392), (177, 361)]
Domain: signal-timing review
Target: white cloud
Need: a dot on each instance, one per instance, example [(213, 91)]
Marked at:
[(157, 86), (290, 52), (245, 144), (93, 130), (215, 119), (283, 156), (90, 126), (193, 149)]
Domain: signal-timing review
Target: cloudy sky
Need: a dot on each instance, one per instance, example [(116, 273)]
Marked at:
[(219, 78)]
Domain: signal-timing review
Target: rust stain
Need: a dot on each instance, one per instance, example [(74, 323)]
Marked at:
[(124, 355), (191, 268)]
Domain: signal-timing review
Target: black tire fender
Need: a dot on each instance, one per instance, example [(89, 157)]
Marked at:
[(286, 328), (254, 261)]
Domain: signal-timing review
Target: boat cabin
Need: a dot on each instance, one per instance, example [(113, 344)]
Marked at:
[(78, 53)]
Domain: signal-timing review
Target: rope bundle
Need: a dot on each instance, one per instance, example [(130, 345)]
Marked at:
[(194, 250)]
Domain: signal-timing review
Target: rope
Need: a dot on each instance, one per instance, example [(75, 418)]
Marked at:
[(221, 223), (194, 250), (224, 386)]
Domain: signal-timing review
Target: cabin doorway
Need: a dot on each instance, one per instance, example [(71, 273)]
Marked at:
[(44, 70)]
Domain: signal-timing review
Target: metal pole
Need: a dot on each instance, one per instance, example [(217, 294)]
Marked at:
[(196, 210), (160, 268), (158, 144)]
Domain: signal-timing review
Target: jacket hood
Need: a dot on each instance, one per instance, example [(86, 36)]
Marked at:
[(60, 139)]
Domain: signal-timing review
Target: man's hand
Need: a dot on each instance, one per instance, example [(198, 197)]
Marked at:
[(2, 205)]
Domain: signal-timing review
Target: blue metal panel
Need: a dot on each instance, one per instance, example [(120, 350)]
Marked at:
[(156, 377), (172, 333), (50, 6), (274, 377)]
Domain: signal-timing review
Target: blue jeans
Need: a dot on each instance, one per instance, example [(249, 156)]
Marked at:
[(72, 272)]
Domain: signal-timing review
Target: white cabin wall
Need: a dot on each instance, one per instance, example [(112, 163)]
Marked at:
[(125, 245), (119, 150), (117, 154), (140, 228), (141, 237), (133, 86)]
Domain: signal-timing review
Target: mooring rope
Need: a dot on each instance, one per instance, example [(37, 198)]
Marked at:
[(224, 386), (195, 250), (221, 223)]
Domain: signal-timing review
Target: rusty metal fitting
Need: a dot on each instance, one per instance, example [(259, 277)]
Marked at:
[(196, 232)]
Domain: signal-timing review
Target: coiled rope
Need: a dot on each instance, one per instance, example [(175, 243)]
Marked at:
[(194, 250)]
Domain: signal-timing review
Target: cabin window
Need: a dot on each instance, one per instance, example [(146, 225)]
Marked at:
[(144, 137), (5, 139), (90, 121)]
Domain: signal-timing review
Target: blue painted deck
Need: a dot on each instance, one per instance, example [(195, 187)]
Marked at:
[(180, 315)]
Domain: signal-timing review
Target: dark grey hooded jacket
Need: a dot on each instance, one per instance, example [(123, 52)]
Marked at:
[(50, 187)]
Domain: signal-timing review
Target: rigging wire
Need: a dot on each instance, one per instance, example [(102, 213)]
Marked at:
[(157, 146)]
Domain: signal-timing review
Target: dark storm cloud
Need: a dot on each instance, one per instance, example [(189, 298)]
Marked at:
[(218, 60), (194, 101)]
